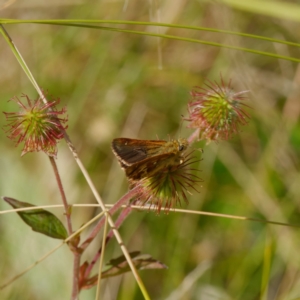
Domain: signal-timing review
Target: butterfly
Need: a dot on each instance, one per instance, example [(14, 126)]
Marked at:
[(146, 158)]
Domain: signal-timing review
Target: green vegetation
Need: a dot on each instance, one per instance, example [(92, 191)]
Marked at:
[(123, 84)]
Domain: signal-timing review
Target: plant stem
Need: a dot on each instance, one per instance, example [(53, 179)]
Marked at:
[(76, 267), (62, 193), (124, 200), (101, 259), (194, 136), (77, 255), (122, 217)]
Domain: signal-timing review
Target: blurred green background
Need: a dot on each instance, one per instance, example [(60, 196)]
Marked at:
[(126, 85)]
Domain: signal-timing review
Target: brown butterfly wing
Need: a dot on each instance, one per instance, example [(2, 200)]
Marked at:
[(151, 166), (131, 151), (145, 158)]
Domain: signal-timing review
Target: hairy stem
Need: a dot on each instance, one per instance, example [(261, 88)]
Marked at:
[(63, 195)]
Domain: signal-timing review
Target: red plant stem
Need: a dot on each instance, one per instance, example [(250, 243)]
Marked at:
[(124, 200), (122, 217), (63, 196), (77, 255), (194, 136), (76, 266)]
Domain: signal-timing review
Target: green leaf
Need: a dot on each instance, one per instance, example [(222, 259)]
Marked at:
[(141, 262), (120, 265), (39, 220)]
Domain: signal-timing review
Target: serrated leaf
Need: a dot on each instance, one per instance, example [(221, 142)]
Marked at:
[(120, 265), (39, 220)]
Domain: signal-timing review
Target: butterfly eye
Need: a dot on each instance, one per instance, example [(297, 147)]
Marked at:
[(181, 147)]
